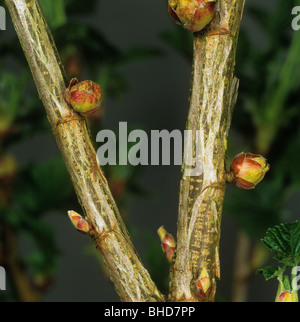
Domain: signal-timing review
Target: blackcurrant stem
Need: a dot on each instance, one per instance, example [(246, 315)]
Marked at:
[(131, 279), (213, 96)]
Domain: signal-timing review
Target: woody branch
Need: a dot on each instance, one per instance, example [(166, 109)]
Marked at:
[(131, 279), (214, 93)]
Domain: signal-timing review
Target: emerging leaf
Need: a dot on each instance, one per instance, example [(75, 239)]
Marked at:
[(283, 241), (270, 272)]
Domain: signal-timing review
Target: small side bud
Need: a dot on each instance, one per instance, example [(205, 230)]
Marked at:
[(203, 283), (85, 97), (168, 243), (80, 223), (248, 170)]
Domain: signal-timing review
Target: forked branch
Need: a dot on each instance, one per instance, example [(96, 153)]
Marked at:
[(214, 93)]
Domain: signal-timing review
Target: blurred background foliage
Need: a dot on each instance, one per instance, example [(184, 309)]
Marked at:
[(265, 121)]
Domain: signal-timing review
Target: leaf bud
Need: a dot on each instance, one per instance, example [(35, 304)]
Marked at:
[(203, 283), (80, 223), (192, 15), (248, 170), (85, 97), (168, 243)]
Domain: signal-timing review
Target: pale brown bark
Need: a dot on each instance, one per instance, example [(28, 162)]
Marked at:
[(131, 279), (214, 92)]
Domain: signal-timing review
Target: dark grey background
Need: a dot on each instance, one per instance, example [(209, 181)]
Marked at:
[(157, 99)]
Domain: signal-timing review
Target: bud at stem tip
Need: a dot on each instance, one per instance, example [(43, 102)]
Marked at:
[(192, 15)]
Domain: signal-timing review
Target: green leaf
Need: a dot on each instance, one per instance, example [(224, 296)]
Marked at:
[(283, 241), (286, 283), (270, 272)]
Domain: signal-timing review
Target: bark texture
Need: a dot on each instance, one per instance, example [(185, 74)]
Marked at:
[(131, 279), (214, 93)]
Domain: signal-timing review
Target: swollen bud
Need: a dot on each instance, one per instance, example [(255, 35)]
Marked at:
[(192, 15), (85, 97), (168, 243), (203, 283), (287, 296), (80, 223), (248, 170)]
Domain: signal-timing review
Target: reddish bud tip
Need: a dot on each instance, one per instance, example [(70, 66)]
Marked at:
[(168, 243), (80, 223), (203, 284)]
